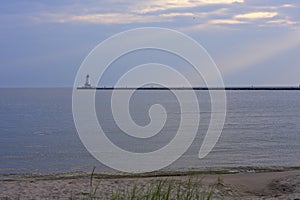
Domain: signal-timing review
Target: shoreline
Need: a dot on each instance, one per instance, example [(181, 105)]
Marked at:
[(161, 173), (276, 184)]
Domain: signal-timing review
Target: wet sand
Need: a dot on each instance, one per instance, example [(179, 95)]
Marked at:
[(266, 185)]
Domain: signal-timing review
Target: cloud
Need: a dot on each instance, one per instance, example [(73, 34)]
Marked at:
[(121, 17), (208, 14), (226, 21), (101, 18), (220, 1), (113, 18), (256, 15), (163, 5), (282, 22), (178, 14), (288, 6)]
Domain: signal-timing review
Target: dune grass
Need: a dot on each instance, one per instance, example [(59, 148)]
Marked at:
[(165, 190), (158, 190)]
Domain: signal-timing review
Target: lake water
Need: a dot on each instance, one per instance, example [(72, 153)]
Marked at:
[(38, 134)]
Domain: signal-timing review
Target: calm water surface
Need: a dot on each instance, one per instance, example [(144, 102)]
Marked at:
[(38, 134)]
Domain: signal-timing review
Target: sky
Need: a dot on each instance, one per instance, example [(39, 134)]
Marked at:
[(253, 42)]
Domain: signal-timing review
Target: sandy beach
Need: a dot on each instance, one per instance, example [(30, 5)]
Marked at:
[(266, 185)]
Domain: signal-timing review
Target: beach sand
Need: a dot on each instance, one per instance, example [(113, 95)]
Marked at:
[(267, 185)]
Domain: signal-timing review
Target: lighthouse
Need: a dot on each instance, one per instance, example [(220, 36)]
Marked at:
[(87, 81)]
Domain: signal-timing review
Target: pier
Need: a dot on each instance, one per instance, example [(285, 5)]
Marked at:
[(192, 88)]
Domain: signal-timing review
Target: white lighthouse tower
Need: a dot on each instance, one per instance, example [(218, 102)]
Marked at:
[(87, 83)]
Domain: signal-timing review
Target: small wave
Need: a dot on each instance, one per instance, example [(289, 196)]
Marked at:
[(35, 146), (43, 132)]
